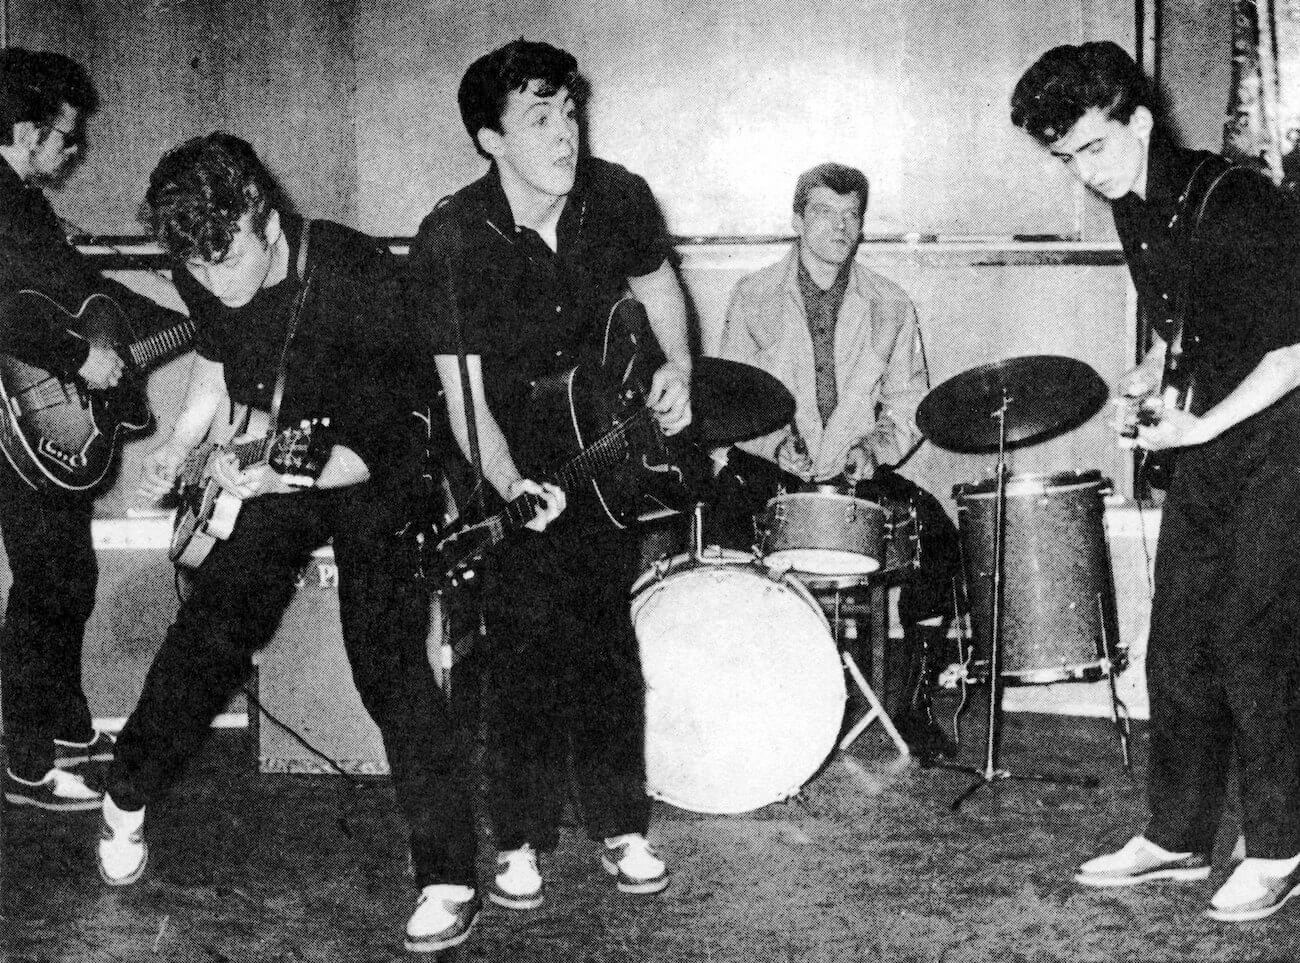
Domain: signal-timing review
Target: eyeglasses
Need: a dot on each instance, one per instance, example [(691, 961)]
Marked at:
[(71, 138)]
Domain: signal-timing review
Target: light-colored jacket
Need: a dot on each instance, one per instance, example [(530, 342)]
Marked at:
[(879, 363)]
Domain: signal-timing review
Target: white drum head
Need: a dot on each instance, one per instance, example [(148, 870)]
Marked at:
[(821, 561), (744, 688)]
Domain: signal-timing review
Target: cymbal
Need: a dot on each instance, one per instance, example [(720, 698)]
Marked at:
[(736, 402), (1044, 394)]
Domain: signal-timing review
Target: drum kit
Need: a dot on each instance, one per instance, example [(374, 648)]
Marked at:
[(745, 677)]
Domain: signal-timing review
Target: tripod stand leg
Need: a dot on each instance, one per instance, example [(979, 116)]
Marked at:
[(877, 711)]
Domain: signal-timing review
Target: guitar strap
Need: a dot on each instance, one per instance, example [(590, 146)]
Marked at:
[(1186, 224), (295, 313), (454, 245)]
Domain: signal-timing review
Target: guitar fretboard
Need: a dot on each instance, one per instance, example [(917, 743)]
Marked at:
[(173, 340)]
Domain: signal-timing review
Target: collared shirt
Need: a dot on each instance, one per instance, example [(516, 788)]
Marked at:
[(350, 360), (822, 307), (526, 310), (1238, 275)]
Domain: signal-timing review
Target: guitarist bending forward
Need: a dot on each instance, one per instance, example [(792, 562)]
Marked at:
[(45, 99), (1213, 253), (240, 268), (539, 248)]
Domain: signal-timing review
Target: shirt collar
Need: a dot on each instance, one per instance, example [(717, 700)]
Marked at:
[(496, 206)]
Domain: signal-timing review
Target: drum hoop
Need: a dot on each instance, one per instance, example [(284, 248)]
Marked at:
[(823, 496), (1032, 484)]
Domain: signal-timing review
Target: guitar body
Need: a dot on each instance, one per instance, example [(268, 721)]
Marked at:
[(61, 434), (1177, 393), (593, 409), (207, 513)]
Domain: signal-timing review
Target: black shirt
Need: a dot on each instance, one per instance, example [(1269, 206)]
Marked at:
[(35, 253), (351, 359), (526, 310), (1239, 273)]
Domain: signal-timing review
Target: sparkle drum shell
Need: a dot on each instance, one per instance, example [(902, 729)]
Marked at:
[(1059, 616), (745, 691), (823, 533)]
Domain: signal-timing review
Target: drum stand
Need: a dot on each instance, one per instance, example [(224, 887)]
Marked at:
[(877, 707), (991, 773)]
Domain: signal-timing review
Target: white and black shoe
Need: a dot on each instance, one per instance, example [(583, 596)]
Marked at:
[(1257, 889), (122, 854), (518, 882), (443, 918), (1141, 861), (634, 864), (99, 749), (56, 791)]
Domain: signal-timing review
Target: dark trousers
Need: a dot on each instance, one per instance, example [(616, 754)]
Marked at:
[(567, 686), (238, 598), (1223, 654), (52, 559)]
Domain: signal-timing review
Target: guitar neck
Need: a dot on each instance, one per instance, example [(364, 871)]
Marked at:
[(165, 344)]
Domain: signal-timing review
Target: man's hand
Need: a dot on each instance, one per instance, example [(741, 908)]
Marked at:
[(259, 479), (552, 497), (1176, 429), (160, 469), (792, 456), (670, 397), (102, 368), (859, 464)]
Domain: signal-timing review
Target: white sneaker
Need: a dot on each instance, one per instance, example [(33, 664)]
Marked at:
[(635, 865), (122, 853), (518, 883), (56, 791), (1140, 860), (442, 919), (1257, 888)]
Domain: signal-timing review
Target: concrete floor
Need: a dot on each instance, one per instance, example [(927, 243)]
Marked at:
[(867, 864)]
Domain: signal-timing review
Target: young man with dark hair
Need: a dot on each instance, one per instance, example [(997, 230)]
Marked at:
[(45, 100), (537, 251), (303, 318), (1212, 249), (845, 342)]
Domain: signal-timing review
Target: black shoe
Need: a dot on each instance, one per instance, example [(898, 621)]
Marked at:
[(924, 736), (99, 749)]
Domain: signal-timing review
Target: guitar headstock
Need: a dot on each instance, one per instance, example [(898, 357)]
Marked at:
[(303, 449)]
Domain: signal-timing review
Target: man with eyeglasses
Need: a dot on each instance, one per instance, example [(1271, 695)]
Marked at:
[(45, 99), (845, 341)]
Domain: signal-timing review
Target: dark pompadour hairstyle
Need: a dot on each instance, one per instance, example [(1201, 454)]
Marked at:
[(838, 177), (200, 190), (34, 86), (487, 83), (1068, 81)]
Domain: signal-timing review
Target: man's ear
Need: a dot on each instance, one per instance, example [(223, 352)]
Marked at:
[(490, 140), (1142, 123), (796, 222), (26, 134), (274, 230)]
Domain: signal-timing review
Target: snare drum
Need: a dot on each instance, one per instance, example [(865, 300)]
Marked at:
[(1058, 614), (823, 533), (745, 691)]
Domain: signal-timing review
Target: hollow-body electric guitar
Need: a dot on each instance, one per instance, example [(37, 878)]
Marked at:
[(207, 512), (618, 460), (62, 434)]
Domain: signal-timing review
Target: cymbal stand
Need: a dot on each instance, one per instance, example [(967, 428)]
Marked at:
[(991, 773)]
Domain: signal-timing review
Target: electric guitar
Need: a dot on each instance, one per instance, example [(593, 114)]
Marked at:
[(618, 465), (63, 434), (1177, 393), (206, 512)]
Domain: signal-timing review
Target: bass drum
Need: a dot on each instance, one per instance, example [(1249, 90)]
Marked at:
[(744, 687)]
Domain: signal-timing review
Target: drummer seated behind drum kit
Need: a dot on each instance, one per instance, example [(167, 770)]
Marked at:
[(745, 689)]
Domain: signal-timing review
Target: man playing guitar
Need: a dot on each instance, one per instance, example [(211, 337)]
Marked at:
[(303, 320), (518, 271), (45, 100), (1212, 249)]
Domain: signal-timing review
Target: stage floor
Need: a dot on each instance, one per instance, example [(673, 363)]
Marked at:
[(868, 864)]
